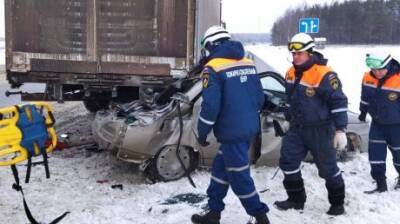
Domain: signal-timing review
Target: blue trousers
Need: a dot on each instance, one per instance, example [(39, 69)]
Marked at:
[(319, 141), (231, 168), (382, 137)]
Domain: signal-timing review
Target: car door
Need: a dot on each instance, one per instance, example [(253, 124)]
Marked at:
[(272, 122)]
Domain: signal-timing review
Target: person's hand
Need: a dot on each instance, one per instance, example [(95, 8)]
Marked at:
[(362, 116), (203, 142), (340, 141)]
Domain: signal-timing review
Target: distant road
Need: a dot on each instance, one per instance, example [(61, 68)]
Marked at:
[(14, 99), (6, 101)]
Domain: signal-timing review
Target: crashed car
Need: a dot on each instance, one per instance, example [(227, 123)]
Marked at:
[(160, 133)]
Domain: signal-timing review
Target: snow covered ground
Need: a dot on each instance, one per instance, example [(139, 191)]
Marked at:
[(81, 179)]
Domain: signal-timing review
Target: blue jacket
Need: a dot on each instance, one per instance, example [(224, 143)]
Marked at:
[(232, 95), (315, 95), (380, 98)]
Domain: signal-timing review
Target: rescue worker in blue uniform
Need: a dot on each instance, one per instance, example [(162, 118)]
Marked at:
[(232, 99), (317, 113), (380, 98)]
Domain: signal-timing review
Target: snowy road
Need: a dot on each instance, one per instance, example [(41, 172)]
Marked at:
[(81, 179)]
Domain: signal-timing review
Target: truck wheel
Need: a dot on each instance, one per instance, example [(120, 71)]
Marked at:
[(95, 105)]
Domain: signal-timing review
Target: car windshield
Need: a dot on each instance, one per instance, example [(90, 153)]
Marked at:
[(270, 83)]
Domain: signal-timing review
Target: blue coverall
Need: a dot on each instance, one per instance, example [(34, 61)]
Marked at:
[(232, 99), (380, 98), (317, 108)]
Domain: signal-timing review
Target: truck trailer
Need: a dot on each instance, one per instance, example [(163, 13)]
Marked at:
[(102, 51)]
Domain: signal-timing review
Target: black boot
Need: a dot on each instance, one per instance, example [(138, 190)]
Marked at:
[(397, 187), (336, 198), (296, 196), (262, 219), (207, 218), (336, 210), (381, 186)]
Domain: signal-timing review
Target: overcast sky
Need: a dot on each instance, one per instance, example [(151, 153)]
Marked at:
[(258, 16)]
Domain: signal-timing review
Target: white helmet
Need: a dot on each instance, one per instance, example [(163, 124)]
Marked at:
[(213, 34), (301, 42), (377, 59)]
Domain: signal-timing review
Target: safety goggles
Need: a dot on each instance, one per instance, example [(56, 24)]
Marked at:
[(296, 46), (375, 63)]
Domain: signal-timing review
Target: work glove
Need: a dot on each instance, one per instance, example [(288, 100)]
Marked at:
[(203, 142), (340, 141), (362, 116)]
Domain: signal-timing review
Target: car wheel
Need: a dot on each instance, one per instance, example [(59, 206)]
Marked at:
[(166, 166)]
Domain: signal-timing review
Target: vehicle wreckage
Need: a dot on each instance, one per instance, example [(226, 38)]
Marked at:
[(159, 131)]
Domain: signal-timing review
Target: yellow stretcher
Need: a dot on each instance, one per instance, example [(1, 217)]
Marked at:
[(11, 151), (27, 131)]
